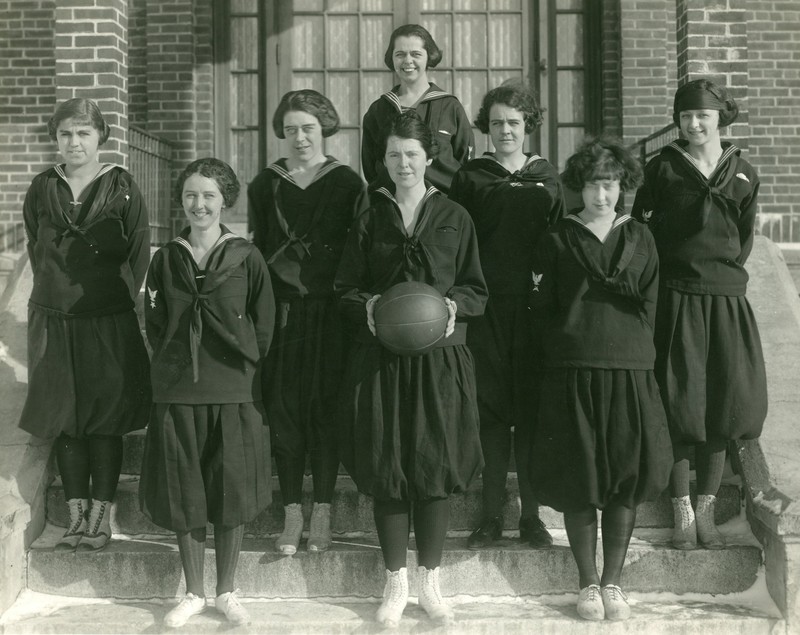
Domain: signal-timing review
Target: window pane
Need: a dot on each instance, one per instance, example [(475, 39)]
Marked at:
[(342, 5), (244, 6), (376, 5), (375, 32), (342, 90), (245, 98), (570, 40), (344, 145), (470, 5), (470, 87), (309, 5), (314, 81), (570, 97), (505, 41), (436, 5), (244, 31), (306, 52), (341, 42), (470, 42), (441, 28), (568, 141)]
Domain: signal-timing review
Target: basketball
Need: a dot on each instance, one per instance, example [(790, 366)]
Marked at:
[(410, 318)]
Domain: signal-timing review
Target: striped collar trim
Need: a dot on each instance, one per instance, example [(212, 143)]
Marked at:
[(489, 156), (433, 93), (727, 152), (105, 167), (621, 219), (330, 165), (429, 192)]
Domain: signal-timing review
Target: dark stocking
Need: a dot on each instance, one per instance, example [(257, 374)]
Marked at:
[(496, 446), (431, 518), (105, 463), (710, 462), (617, 523), (227, 545), (679, 478), (324, 468), (582, 535), (392, 523), (192, 547), (290, 478), (72, 457)]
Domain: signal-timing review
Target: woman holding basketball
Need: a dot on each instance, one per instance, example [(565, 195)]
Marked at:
[(410, 424)]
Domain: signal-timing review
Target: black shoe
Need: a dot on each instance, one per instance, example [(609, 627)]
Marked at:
[(533, 532), (490, 529)]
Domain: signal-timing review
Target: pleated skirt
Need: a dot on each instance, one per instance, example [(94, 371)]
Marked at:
[(86, 376), (205, 463), (601, 437), (302, 376), (410, 424), (710, 367)]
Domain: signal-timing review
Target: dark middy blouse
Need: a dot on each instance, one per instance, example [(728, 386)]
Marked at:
[(511, 211), (442, 251), (593, 303), (210, 329), (89, 257), (301, 232), (703, 227)]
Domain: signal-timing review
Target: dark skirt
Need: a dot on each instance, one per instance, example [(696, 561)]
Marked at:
[(86, 376), (601, 438), (205, 463), (710, 367), (500, 342), (302, 376), (410, 424)]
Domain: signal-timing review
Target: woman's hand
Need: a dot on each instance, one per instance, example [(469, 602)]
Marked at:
[(371, 313), (451, 321)]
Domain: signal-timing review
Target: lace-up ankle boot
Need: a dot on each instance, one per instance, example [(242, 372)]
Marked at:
[(98, 533), (319, 532), (684, 534), (289, 540), (395, 598), (78, 509), (430, 596), (707, 533)]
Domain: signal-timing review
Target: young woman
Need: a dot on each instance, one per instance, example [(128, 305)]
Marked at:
[(700, 199), (300, 209), (209, 316), (411, 52), (410, 427), (601, 440), (512, 197), (88, 372)]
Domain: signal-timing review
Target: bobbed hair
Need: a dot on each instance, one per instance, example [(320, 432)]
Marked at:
[(408, 125), (81, 110), (727, 115), (428, 43), (211, 168), (514, 94), (602, 158), (312, 102)]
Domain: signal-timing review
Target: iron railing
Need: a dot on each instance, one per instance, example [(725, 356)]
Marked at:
[(651, 145), (150, 164)]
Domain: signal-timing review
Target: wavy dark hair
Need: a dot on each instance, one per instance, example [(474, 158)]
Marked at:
[(409, 125), (600, 158), (211, 168), (312, 102), (514, 94), (428, 43), (82, 110), (727, 115)]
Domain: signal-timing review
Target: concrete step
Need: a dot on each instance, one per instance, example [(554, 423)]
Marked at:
[(352, 512), (551, 615), (151, 568)]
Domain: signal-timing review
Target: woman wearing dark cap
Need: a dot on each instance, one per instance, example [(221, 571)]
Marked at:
[(512, 197), (410, 424), (700, 199), (411, 52), (209, 314), (300, 209), (88, 372)]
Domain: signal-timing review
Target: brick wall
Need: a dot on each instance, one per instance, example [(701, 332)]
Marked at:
[(648, 66), (137, 63), (774, 103), (27, 96), (612, 65)]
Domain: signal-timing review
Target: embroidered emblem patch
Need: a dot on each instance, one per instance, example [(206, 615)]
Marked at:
[(743, 176), (152, 293), (647, 215), (515, 184), (537, 280)]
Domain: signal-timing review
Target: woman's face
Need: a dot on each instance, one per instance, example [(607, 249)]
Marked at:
[(507, 129), (700, 126), (78, 143), (303, 134), (405, 160), (202, 202), (600, 197), (410, 58)]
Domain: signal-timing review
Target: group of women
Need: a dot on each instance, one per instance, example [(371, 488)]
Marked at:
[(560, 328)]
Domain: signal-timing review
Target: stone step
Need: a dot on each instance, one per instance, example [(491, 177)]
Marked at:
[(36, 614), (352, 512), (151, 568)]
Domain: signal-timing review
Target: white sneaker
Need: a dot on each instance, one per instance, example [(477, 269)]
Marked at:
[(395, 598), (190, 605), (229, 605), (590, 603), (615, 603)]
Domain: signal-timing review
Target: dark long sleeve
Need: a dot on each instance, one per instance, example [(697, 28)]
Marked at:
[(137, 228), (260, 301)]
